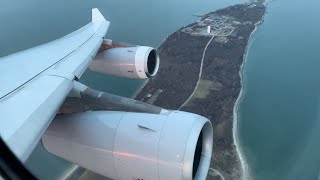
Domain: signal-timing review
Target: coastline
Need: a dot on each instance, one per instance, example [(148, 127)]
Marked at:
[(139, 89), (244, 165), (228, 162)]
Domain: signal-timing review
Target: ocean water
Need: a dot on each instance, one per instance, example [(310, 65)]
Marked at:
[(279, 112), (25, 24)]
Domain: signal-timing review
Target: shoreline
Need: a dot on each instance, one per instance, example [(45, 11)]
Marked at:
[(244, 165), (139, 89)]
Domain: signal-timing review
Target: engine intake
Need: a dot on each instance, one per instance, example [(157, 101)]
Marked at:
[(122, 145), (139, 62)]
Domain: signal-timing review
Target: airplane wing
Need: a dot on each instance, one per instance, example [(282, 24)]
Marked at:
[(35, 82), (121, 133)]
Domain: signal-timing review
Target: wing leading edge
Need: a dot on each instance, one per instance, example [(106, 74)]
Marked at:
[(35, 82)]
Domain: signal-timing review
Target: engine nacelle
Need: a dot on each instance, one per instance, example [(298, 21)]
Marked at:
[(121, 145), (139, 62)]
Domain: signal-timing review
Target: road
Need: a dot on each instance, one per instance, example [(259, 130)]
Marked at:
[(200, 73), (196, 87)]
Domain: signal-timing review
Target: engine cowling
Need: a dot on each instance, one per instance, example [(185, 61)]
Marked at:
[(139, 62), (121, 145)]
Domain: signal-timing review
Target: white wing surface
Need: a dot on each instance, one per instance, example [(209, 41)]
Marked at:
[(35, 82)]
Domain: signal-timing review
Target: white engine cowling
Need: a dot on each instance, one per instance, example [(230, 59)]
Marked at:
[(139, 62), (121, 145)]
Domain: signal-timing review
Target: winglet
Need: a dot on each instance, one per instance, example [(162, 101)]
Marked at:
[(97, 16)]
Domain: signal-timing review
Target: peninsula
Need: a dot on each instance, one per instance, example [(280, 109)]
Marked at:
[(199, 73)]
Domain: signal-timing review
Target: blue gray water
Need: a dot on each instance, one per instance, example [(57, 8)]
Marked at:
[(279, 123), (25, 24), (279, 113)]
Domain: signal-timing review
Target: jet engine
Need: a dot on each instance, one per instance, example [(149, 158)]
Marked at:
[(124, 145), (135, 62)]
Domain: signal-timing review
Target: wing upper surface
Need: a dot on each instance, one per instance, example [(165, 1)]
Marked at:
[(19, 68), (24, 116), (35, 82)]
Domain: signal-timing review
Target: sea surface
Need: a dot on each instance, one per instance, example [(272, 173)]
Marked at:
[(24, 24), (279, 112)]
